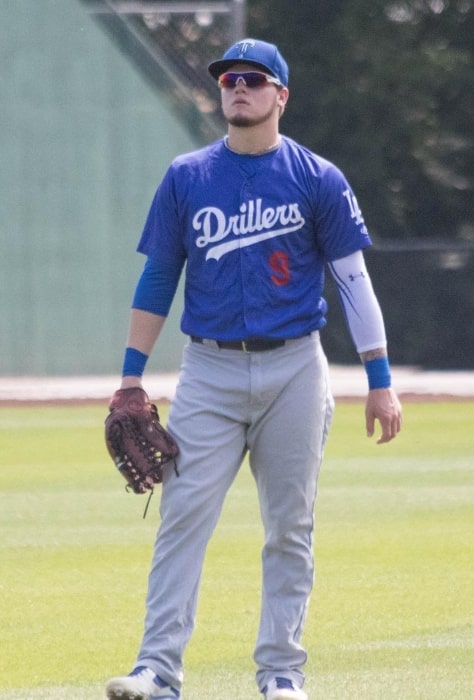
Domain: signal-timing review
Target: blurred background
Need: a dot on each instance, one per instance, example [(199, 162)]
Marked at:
[(97, 96)]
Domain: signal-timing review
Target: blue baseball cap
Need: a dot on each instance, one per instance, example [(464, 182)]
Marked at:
[(255, 52)]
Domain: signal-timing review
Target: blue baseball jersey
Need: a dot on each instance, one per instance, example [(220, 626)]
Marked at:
[(255, 233)]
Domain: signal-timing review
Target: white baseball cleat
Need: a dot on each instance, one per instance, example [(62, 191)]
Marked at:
[(141, 684), (283, 689)]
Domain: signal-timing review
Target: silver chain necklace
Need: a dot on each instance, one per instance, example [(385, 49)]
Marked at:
[(253, 153)]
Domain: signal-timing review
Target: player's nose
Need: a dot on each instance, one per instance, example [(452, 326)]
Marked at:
[(240, 85)]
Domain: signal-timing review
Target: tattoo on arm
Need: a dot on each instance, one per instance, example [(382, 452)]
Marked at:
[(373, 354)]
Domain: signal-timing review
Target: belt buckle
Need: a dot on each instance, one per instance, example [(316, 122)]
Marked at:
[(244, 346)]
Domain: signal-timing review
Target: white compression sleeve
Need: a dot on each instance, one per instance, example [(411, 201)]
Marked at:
[(359, 303)]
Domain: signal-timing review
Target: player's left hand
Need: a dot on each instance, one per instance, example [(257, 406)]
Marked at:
[(383, 405)]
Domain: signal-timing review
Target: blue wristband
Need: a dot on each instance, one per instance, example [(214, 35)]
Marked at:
[(378, 373), (134, 363)]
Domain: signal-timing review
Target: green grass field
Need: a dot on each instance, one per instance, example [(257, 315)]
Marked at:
[(392, 613)]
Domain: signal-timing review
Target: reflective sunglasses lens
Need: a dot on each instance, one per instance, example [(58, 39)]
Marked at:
[(251, 80)]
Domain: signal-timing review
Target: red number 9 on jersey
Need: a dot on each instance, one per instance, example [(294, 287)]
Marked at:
[(278, 262)]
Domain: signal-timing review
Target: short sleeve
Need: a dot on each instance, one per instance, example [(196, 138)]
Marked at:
[(340, 225), (162, 236)]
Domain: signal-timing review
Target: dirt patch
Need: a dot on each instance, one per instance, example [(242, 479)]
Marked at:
[(409, 397)]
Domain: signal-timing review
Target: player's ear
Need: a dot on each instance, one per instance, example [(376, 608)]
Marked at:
[(283, 95), (282, 99)]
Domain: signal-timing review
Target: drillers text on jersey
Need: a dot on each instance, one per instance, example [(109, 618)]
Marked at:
[(252, 218)]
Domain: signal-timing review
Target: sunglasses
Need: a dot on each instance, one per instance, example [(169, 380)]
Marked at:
[(252, 79)]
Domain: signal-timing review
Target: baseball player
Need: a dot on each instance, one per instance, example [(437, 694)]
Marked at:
[(254, 219)]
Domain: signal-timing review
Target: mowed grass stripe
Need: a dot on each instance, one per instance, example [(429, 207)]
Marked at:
[(391, 615)]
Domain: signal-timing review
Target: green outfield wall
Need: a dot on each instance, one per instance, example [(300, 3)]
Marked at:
[(84, 143)]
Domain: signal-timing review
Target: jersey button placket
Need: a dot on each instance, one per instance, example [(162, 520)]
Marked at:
[(247, 256), (250, 290)]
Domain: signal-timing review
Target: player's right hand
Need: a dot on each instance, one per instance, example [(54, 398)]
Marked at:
[(383, 405)]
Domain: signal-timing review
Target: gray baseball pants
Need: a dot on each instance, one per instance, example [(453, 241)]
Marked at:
[(276, 405)]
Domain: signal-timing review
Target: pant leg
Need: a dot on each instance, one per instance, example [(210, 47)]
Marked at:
[(206, 420), (286, 444)]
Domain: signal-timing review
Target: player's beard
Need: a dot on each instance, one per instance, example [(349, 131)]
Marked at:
[(244, 121)]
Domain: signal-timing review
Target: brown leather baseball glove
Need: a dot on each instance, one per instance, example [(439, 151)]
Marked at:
[(138, 444)]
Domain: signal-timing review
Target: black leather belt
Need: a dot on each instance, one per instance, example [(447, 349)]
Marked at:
[(253, 345)]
